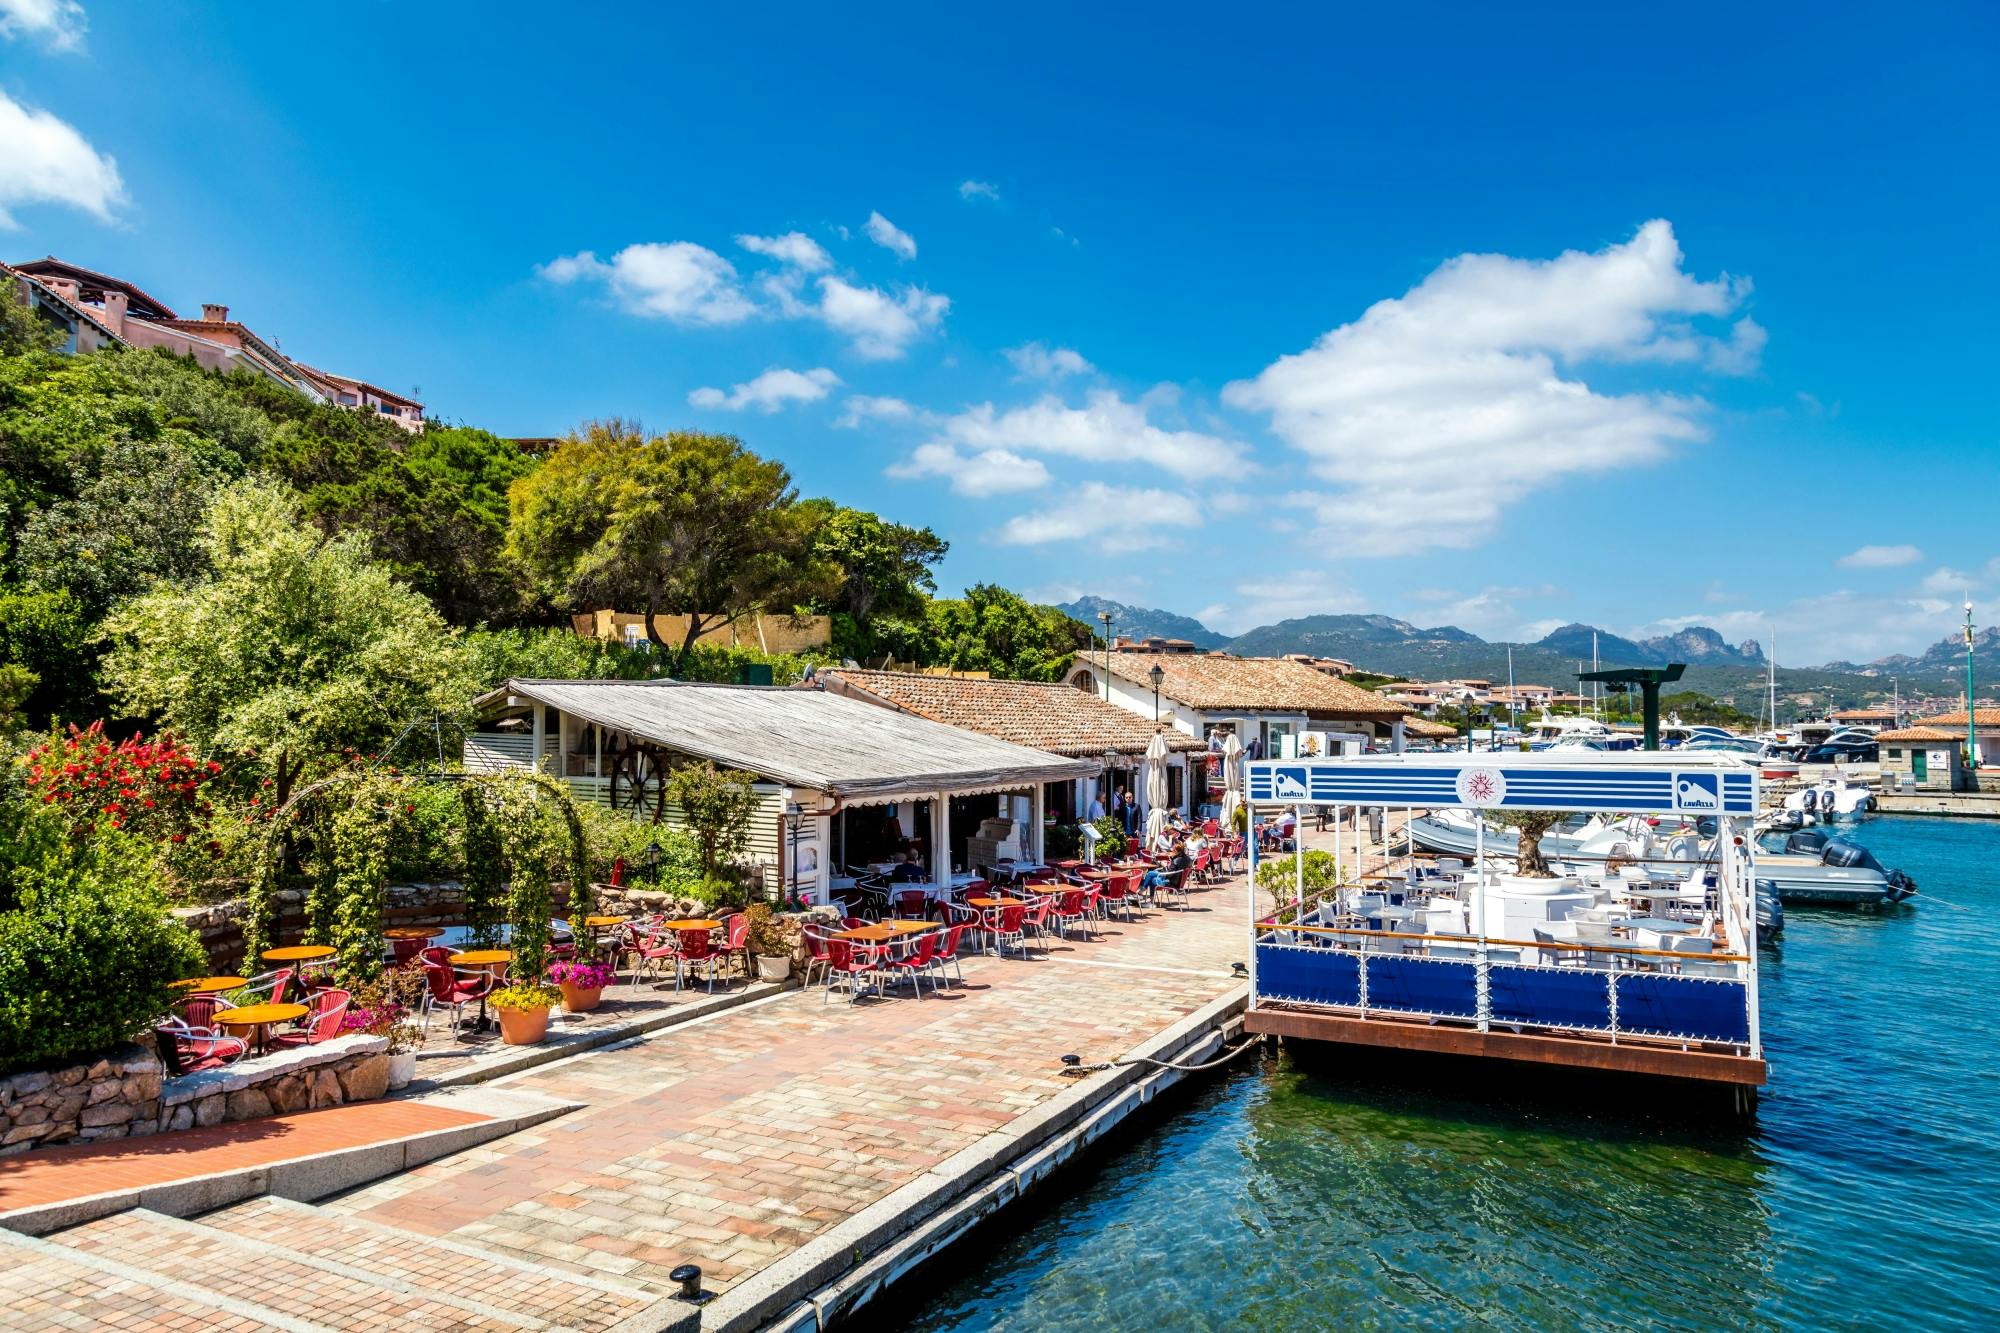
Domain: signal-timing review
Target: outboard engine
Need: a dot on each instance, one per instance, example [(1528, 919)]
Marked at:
[(1770, 912), (1806, 842), (1847, 855), (1901, 887)]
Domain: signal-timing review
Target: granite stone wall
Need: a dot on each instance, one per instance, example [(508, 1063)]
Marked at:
[(126, 1093)]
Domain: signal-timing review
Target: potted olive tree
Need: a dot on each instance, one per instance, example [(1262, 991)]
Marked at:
[(1532, 872), (772, 940)]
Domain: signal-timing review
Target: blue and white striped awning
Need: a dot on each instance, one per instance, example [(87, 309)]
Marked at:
[(1635, 783)]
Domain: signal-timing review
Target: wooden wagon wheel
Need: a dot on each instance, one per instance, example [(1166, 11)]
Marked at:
[(639, 782)]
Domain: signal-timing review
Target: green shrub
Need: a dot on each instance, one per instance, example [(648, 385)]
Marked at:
[(1111, 831), (1062, 842), (1279, 877), (88, 953), (430, 835)]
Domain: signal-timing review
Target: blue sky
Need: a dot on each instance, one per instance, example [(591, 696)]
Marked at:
[(1676, 317)]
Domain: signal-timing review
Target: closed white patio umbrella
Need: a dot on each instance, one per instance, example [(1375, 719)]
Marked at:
[(1156, 785), (1232, 778)]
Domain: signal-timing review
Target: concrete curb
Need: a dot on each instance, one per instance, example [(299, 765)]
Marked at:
[(833, 1276), (561, 1046), (308, 1177)]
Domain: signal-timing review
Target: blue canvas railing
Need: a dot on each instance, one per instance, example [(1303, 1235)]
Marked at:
[(1570, 999)]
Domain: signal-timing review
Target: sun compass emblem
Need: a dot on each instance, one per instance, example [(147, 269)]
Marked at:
[(1481, 788)]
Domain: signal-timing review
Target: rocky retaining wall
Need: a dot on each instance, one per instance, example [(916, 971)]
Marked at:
[(126, 1093)]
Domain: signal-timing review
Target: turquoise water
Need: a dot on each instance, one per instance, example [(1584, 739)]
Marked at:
[(1311, 1193)]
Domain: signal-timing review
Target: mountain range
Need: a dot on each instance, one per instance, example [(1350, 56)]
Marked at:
[(1388, 646)]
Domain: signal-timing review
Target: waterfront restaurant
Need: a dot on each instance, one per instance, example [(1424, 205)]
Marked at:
[(1042, 716), (1638, 965), (838, 781)]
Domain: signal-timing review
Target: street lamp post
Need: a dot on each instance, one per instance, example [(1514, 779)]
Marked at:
[(1105, 616), (1971, 719), (1156, 675)]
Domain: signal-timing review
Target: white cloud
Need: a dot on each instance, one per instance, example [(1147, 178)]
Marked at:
[(1447, 403), (1115, 518), (1944, 580), (879, 407), (674, 280), (978, 190), (770, 391), (1038, 361), (1880, 557), (1275, 597), (890, 237), (1106, 429), (45, 161), (881, 326), (794, 247), (57, 24), (988, 472)]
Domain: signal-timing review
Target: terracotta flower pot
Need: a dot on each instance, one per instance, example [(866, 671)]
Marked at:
[(523, 1027), (579, 999)]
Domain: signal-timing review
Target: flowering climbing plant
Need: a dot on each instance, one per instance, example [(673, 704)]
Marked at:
[(152, 788)]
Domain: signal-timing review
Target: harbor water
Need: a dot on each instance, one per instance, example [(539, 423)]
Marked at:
[(1313, 1191)]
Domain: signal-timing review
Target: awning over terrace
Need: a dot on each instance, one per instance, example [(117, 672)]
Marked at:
[(801, 738)]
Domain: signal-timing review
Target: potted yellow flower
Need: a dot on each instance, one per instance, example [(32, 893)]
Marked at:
[(523, 1008)]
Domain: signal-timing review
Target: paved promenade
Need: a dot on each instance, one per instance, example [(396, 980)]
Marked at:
[(731, 1141)]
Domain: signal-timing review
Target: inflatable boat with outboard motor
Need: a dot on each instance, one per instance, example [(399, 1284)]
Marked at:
[(1811, 868)]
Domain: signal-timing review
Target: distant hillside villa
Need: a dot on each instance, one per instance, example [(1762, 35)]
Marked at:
[(97, 310)]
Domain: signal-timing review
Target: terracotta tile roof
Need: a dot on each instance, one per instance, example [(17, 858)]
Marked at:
[(1864, 714), (1921, 732), (1425, 729), (1255, 684), (1057, 718), (1985, 717)]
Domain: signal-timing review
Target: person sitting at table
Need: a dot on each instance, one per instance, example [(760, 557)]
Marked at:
[(1177, 864), (907, 871), (1163, 841)]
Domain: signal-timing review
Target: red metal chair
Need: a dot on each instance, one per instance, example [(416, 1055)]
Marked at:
[(266, 987), (916, 963), (1030, 921), (403, 952), (736, 940), (198, 1011), (854, 962), (816, 955), (947, 950), (187, 1049), (650, 946), (911, 904), (444, 986), (1070, 907), (1133, 846), (325, 1013), (699, 949)]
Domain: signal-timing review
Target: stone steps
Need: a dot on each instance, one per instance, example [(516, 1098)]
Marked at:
[(272, 1263), (274, 1281), (585, 1303)]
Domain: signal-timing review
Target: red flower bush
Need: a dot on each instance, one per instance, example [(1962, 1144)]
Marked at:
[(148, 787)]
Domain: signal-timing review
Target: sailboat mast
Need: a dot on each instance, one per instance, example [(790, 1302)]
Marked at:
[(1772, 663)]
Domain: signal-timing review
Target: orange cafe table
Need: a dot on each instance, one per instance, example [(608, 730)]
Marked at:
[(258, 1019), (210, 985), (494, 961)]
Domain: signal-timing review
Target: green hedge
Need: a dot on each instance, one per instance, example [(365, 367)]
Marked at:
[(88, 952)]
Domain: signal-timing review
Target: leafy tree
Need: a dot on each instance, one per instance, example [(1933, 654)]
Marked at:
[(885, 571), (992, 629), (16, 684), (717, 805), (23, 330), (138, 519), (46, 634), (292, 650), (499, 655), (682, 524), (433, 509)]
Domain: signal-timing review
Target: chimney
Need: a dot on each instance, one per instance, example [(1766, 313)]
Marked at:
[(213, 313), (66, 288), (114, 312)]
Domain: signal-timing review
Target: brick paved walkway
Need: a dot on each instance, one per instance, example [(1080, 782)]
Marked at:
[(53, 1175), (735, 1139)]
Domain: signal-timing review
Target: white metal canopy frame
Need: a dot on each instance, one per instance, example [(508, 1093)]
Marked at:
[(1486, 980)]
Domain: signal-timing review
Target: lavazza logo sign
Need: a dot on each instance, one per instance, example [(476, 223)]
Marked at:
[(1698, 791)]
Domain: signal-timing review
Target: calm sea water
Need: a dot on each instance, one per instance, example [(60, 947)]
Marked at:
[(1319, 1192)]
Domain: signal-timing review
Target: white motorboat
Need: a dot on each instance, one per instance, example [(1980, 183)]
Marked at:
[(1832, 799)]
